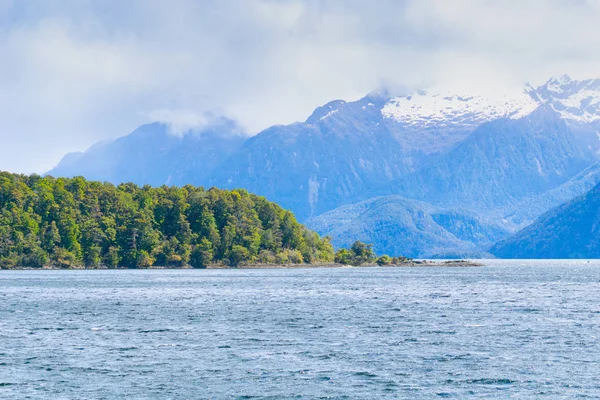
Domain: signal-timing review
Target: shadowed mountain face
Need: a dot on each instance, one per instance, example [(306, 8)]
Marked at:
[(507, 160), (346, 150), (151, 155), (342, 150), (571, 230)]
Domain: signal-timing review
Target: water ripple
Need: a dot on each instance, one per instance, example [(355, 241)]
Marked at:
[(508, 330)]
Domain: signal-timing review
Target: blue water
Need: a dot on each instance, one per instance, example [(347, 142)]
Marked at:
[(508, 330)]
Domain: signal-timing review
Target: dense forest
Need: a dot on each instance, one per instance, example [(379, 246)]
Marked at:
[(74, 223)]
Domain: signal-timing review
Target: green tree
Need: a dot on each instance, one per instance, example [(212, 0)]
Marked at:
[(237, 255), (144, 259), (74, 223), (384, 260), (362, 253), (202, 254), (344, 256), (111, 258)]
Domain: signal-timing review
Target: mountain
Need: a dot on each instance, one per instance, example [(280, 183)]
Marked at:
[(499, 164), (523, 213), (346, 149), (417, 145), (578, 104), (576, 101), (506, 159), (152, 155), (571, 230), (399, 226), (341, 150)]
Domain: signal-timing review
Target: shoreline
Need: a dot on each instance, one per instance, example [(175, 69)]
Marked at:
[(412, 264)]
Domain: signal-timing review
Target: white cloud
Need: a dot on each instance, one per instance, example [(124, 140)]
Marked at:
[(76, 72), (181, 122)]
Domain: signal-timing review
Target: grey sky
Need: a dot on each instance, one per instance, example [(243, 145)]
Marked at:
[(75, 72)]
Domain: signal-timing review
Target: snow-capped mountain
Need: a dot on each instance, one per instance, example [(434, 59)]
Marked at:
[(426, 109), (499, 164), (575, 101), (451, 150)]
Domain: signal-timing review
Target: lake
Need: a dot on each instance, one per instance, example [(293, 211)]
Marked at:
[(511, 329)]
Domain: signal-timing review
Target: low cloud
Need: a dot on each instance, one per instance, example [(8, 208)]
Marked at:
[(181, 122)]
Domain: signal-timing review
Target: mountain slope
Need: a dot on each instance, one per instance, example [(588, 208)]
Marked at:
[(345, 149), (456, 151), (151, 155), (525, 212), (314, 166), (399, 226), (571, 230), (502, 162)]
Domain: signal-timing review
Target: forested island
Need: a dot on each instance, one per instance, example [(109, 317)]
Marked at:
[(48, 222), (74, 223)]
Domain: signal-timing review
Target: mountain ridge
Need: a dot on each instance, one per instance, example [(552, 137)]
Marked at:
[(487, 155), (152, 155), (426, 230)]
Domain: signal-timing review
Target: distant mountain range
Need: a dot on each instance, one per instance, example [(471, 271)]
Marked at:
[(399, 159)]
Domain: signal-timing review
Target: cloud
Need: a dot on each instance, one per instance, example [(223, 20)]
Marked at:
[(75, 72), (181, 122)]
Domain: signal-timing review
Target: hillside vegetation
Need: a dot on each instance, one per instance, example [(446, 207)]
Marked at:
[(72, 222), (411, 228)]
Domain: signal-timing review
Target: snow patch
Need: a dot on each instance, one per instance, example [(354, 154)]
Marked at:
[(575, 101), (427, 109), (539, 167), (329, 114)]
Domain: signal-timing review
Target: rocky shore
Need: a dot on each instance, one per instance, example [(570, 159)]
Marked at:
[(408, 264)]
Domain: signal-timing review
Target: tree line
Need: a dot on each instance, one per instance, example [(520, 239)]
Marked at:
[(73, 222), (362, 253)]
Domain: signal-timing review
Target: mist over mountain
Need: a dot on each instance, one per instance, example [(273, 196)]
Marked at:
[(503, 160)]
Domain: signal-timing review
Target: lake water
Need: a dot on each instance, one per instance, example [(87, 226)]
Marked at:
[(512, 329)]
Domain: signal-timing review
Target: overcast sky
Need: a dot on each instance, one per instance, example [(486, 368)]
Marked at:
[(76, 72)]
